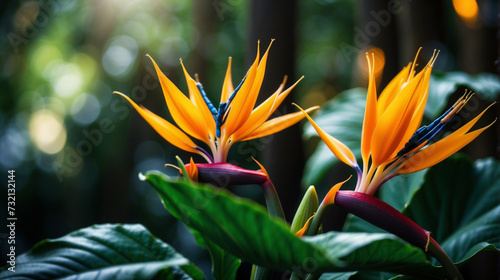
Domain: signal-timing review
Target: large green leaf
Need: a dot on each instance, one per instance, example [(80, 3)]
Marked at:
[(237, 225), (109, 251), (374, 252), (459, 204), (244, 229)]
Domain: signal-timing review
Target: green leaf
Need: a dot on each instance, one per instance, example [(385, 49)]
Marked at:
[(237, 225), (109, 251), (458, 203), (307, 207), (355, 224), (244, 229), (375, 252), (358, 275), (399, 190), (337, 275), (478, 235), (224, 265), (442, 85), (341, 117)]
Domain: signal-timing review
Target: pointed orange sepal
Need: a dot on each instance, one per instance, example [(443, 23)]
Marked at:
[(339, 149), (183, 111), (167, 130), (301, 232), (370, 118), (197, 100), (330, 196), (262, 169), (227, 87), (192, 170), (278, 124)]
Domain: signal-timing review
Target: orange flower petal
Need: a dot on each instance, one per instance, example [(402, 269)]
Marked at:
[(393, 124), (339, 149), (168, 131), (370, 119), (304, 229), (183, 111), (442, 149), (244, 101), (437, 152), (197, 100), (395, 86), (330, 196), (278, 124), (263, 112), (262, 169), (227, 87), (258, 116), (392, 90), (192, 171), (416, 118)]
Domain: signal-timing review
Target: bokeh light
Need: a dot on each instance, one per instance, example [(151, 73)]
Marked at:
[(120, 55), (467, 10), (362, 64), (85, 109), (45, 58), (47, 131), (67, 79)]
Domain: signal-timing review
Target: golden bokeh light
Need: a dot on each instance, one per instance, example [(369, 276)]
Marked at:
[(467, 10), (363, 66), (47, 131)]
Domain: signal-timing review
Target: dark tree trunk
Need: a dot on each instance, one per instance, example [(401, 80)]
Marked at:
[(205, 25), (421, 24), (377, 20), (282, 152)]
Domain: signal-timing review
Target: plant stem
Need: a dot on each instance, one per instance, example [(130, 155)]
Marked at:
[(260, 272), (437, 252), (316, 220), (384, 216), (272, 200)]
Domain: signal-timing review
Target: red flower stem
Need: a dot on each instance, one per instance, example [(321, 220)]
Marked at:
[(225, 174), (384, 216)]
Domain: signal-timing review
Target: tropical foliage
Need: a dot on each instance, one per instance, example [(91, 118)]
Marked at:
[(449, 211)]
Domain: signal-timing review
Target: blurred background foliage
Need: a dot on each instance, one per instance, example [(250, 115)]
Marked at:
[(77, 148)]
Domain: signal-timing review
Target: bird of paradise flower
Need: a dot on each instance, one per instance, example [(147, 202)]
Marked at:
[(391, 142), (233, 121)]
